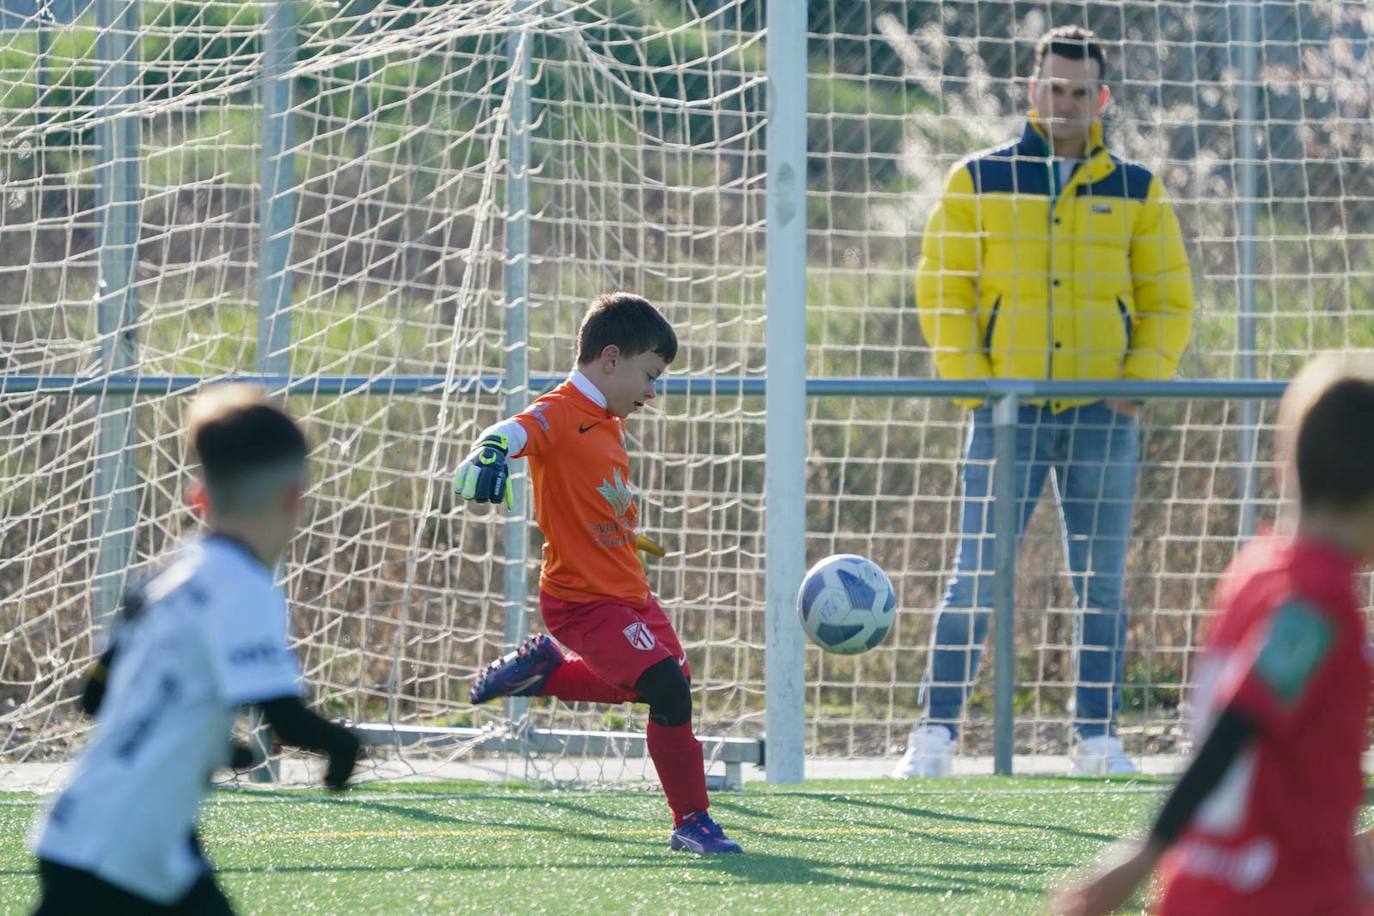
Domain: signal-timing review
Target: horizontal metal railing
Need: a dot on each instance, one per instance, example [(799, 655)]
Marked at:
[(745, 386)]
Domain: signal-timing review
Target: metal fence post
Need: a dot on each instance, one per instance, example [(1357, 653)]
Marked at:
[(277, 203), (276, 224), (1247, 149), (361, 12), (1004, 417), (516, 538), (785, 398), (44, 15), (115, 496)]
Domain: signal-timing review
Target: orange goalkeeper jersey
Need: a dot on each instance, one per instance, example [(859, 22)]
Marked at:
[(582, 499)]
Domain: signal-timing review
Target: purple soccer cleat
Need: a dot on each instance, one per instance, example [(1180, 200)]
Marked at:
[(518, 674), (703, 836)]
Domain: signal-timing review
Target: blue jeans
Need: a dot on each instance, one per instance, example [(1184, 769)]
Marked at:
[(1093, 453)]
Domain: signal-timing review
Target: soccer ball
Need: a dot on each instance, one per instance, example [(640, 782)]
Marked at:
[(846, 604)]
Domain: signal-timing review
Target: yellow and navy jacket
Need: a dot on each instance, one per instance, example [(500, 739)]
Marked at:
[(1022, 276)]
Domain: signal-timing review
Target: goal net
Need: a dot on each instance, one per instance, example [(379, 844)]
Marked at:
[(443, 156), (631, 132)]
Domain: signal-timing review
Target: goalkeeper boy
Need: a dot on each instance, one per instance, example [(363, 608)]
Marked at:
[(1262, 820), (594, 595)]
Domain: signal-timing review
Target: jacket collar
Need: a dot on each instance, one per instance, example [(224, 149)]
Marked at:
[(1097, 163), (1034, 141)]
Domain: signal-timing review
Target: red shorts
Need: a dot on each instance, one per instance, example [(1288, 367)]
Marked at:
[(618, 641)]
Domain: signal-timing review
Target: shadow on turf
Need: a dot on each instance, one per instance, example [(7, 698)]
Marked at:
[(928, 814), (555, 828), (922, 817), (927, 878), (752, 867), (420, 813)]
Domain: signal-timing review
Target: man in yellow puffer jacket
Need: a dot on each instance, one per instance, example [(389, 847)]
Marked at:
[(1050, 258)]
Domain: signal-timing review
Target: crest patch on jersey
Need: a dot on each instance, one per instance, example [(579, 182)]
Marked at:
[(617, 494), (1299, 638)]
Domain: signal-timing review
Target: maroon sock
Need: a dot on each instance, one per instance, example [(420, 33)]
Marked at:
[(676, 753), (574, 682)]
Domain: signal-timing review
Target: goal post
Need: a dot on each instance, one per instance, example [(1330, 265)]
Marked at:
[(785, 432), (118, 183)]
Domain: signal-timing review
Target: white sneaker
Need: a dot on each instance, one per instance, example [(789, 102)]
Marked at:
[(929, 752), (1100, 755)]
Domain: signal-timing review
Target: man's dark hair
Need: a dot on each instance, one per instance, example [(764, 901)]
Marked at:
[(1073, 42), (242, 439), (1334, 441), (630, 323)]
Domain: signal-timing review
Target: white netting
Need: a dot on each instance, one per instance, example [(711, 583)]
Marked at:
[(646, 173), (903, 90)]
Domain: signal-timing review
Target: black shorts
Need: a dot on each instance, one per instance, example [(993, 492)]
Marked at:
[(67, 890)]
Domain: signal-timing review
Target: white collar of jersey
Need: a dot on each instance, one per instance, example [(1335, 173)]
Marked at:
[(587, 387)]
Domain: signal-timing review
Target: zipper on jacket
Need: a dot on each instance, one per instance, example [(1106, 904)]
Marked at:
[(1055, 192), (1049, 228)]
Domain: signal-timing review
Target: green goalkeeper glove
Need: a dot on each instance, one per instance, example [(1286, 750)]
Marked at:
[(484, 477)]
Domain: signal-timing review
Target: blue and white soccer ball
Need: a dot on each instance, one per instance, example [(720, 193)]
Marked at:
[(846, 604)]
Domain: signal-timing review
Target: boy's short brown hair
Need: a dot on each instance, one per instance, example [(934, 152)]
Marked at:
[(1327, 417), (628, 322), (1073, 42), (246, 445)]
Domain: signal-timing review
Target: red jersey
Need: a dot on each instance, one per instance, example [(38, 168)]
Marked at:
[(1289, 650), (582, 499)]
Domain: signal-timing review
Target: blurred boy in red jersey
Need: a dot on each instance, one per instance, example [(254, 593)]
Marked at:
[(1262, 820)]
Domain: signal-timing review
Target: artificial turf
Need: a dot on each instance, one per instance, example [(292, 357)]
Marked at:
[(982, 845)]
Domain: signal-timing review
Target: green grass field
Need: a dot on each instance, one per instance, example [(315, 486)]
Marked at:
[(980, 845)]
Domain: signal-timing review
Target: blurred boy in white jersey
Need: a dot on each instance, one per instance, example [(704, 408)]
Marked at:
[(203, 637)]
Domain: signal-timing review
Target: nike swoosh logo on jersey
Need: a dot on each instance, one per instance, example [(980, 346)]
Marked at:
[(583, 429)]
